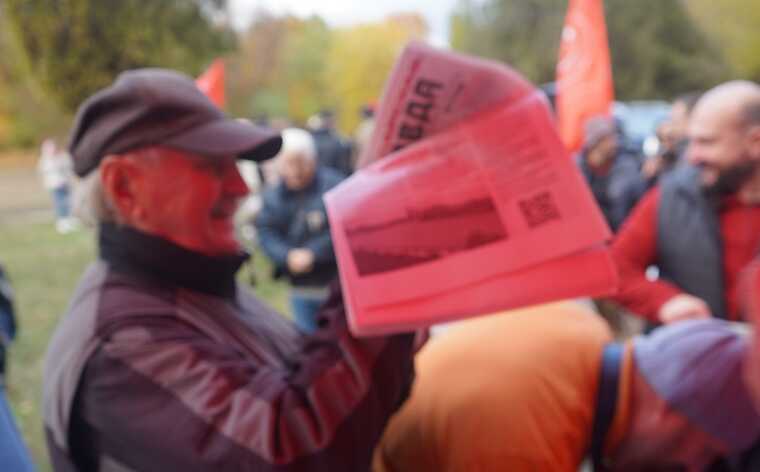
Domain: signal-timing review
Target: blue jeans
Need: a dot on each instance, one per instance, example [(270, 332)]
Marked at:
[(305, 309), (14, 456), (61, 202)]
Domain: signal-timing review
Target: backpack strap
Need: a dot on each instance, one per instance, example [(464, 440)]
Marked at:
[(606, 400)]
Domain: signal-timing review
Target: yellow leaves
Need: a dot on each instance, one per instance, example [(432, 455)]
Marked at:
[(733, 24), (295, 67), (361, 58), (4, 129)]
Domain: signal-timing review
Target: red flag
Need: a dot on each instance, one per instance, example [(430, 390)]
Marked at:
[(584, 72), (211, 83)]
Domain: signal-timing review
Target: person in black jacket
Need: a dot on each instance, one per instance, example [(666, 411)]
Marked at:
[(332, 150), (293, 228), (611, 172)]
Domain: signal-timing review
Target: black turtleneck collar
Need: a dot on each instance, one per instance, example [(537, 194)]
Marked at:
[(131, 251)]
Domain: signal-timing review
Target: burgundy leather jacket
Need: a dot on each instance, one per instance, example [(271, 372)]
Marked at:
[(164, 364)]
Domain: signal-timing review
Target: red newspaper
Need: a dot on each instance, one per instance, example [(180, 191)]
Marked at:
[(430, 90), (476, 214)]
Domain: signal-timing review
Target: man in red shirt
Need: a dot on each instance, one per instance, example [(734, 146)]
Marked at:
[(701, 225)]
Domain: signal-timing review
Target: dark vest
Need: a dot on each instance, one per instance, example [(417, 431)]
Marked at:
[(689, 245)]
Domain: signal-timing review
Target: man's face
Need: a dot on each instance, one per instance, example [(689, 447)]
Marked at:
[(190, 200), (604, 152), (608, 146), (666, 135), (296, 170), (718, 146)]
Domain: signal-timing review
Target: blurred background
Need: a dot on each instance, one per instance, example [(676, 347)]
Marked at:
[(292, 58), (285, 60)]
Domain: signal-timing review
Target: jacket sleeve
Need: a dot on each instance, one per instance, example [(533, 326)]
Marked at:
[(322, 247), (160, 397), (634, 250), (271, 230)]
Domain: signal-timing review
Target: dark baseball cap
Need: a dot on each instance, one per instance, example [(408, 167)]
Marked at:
[(159, 107)]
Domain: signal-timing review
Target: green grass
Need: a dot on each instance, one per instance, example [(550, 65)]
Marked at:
[(44, 268)]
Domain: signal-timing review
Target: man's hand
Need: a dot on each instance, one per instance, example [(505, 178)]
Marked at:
[(683, 307), (300, 260)]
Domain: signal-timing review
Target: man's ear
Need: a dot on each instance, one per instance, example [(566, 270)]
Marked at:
[(121, 179)]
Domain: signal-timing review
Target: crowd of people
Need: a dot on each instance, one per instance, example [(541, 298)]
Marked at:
[(546, 387), (166, 361)]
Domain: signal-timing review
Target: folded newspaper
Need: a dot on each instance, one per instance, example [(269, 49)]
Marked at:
[(466, 202)]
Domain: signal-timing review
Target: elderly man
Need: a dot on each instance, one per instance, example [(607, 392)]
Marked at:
[(540, 389), (163, 362), (701, 226), (293, 228), (611, 172)]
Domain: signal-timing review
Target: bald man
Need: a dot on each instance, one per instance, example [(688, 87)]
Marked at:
[(701, 225)]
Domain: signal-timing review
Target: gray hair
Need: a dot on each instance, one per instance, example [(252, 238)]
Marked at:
[(91, 204), (298, 141)]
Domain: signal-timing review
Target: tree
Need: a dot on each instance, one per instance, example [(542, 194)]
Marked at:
[(522, 33), (734, 26), (304, 60), (291, 67), (279, 71), (5, 92), (360, 59), (657, 50), (255, 67), (25, 114), (75, 47)]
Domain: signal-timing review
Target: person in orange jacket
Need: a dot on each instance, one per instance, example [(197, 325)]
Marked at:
[(542, 388)]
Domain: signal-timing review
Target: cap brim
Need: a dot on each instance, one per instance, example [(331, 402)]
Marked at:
[(227, 137)]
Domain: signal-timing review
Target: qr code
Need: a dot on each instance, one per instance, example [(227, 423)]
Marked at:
[(539, 209)]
